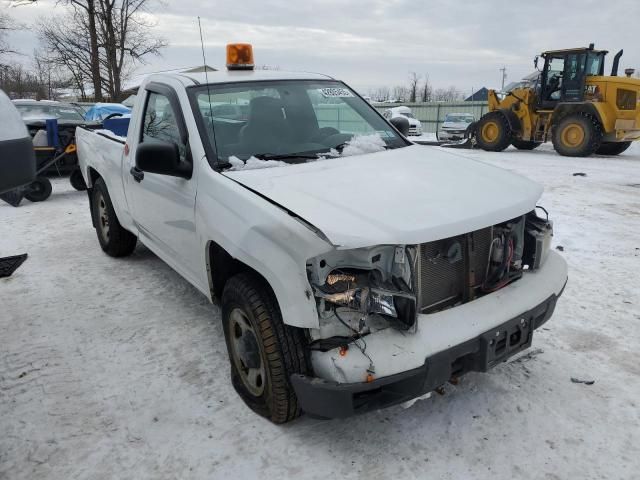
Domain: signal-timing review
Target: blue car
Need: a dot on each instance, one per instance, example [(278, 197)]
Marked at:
[(100, 111)]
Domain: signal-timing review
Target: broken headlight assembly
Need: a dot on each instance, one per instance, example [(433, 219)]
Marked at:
[(537, 239), (363, 290)]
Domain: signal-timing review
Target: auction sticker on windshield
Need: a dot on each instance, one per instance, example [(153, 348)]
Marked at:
[(335, 92)]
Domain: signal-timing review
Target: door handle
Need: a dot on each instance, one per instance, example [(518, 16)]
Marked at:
[(137, 174)]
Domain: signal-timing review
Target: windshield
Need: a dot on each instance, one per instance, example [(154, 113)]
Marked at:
[(457, 118), (39, 110), (287, 118), (408, 115)]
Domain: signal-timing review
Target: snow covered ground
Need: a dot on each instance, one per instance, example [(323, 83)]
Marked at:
[(116, 368)]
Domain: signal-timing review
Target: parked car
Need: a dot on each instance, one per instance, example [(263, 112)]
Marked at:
[(455, 125), (415, 127), (35, 114), (353, 271), (102, 111)]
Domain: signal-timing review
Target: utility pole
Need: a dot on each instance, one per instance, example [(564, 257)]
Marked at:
[(504, 76)]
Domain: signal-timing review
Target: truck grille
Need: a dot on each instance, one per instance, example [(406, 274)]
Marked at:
[(450, 270)]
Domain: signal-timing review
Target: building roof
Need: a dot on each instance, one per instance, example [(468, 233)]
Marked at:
[(478, 95)]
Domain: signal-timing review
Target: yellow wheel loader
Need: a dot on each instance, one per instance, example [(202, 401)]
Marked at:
[(572, 103)]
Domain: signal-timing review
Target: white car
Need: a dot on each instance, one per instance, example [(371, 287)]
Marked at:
[(455, 125), (354, 271), (415, 127)]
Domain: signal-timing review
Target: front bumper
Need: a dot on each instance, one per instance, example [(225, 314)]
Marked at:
[(446, 135), (398, 356), (327, 399)]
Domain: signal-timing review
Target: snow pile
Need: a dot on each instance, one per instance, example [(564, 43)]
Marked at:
[(361, 144), (110, 134), (253, 163)]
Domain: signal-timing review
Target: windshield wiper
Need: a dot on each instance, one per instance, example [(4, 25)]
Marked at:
[(340, 147), (285, 156)]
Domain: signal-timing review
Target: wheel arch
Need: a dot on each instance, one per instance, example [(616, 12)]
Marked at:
[(564, 109), (91, 178), (512, 119), (222, 265)]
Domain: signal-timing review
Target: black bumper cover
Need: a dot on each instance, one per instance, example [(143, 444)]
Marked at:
[(325, 399)]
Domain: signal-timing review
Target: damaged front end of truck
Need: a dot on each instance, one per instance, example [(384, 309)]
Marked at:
[(373, 303)]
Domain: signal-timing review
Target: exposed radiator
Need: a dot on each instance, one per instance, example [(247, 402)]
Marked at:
[(450, 270)]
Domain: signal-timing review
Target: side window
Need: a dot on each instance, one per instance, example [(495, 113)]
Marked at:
[(554, 78), (160, 122)]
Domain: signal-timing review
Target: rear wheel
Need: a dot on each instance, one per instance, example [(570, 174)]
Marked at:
[(263, 351), (114, 240), (493, 132), (525, 145), (77, 181), (612, 148), (39, 190), (577, 135)]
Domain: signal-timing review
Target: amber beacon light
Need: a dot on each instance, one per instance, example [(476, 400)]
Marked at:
[(239, 56)]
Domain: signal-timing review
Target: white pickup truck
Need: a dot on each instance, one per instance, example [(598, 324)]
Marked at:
[(354, 269)]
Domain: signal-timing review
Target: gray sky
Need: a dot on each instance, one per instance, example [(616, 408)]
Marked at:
[(377, 42)]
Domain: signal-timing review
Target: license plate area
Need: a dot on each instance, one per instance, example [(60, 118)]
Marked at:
[(506, 340)]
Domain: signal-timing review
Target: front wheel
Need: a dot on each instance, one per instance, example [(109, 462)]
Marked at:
[(612, 148), (493, 132), (577, 135), (263, 351), (114, 240)]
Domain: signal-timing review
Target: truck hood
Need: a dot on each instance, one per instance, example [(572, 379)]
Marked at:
[(408, 195)]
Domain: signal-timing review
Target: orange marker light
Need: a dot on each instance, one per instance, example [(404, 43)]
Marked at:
[(343, 350), (239, 56)]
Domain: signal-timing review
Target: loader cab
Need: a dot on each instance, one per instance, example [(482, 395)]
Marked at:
[(565, 72)]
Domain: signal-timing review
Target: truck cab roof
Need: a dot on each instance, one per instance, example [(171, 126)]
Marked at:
[(228, 76)]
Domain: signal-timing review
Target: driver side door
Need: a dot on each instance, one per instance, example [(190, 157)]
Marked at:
[(164, 205)]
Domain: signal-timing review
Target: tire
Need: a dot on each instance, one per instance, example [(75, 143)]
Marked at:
[(612, 148), (577, 135), (493, 132), (263, 351), (525, 145), (77, 181), (114, 240), (39, 190)]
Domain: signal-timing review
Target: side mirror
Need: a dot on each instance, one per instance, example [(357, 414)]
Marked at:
[(401, 124), (162, 158)]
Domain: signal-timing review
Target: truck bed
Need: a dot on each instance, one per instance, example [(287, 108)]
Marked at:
[(101, 152)]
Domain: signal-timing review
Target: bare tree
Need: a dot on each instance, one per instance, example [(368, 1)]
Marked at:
[(123, 38), (400, 93), (126, 37), (450, 94), (6, 25), (381, 94), (427, 90), (69, 45), (414, 80), (86, 9)]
